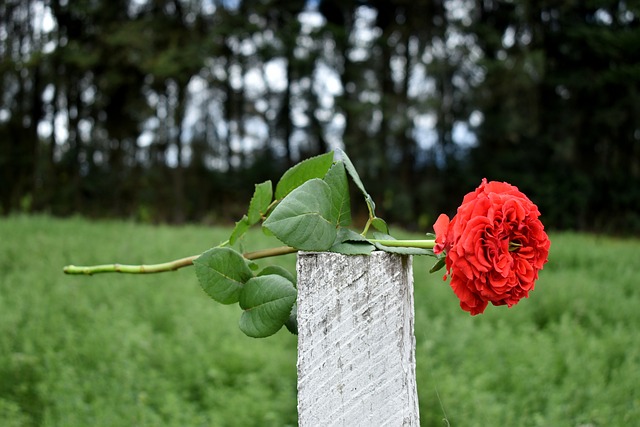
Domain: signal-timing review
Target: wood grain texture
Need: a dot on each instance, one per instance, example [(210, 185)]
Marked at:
[(356, 346)]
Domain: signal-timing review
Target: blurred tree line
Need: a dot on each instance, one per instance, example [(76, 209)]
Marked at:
[(170, 110)]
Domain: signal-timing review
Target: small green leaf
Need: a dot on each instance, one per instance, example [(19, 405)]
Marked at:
[(351, 169), (430, 236), (348, 235), (438, 265), (348, 242), (222, 273), (357, 181), (336, 178), (267, 302), (380, 225), (292, 323), (302, 219), (353, 248), (280, 271), (260, 201), (314, 167), (241, 227), (396, 250)]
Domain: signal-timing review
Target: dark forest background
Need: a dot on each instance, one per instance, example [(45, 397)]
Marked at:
[(170, 110)]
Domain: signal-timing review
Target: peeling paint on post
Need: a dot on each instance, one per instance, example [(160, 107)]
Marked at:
[(356, 347)]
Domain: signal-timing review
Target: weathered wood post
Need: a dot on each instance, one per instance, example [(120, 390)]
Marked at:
[(356, 347)]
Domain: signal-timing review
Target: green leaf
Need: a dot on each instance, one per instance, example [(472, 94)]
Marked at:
[(314, 167), (348, 235), (380, 225), (353, 248), (438, 265), (280, 271), (222, 273), (267, 302), (357, 181), (241, 227), (348, 242), (262, 196), (351, 169), (336, 178), (396, 250), (292, 323), (302, 219), (252, 265)]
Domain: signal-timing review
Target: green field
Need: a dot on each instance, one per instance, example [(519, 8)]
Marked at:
[(117, 350)]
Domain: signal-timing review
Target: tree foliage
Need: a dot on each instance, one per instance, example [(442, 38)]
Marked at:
[(139, 108)]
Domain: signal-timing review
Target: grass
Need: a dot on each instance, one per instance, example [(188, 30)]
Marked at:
[(117, 350)]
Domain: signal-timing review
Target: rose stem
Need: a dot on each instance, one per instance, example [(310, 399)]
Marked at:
[(166, 266), (421, 244)]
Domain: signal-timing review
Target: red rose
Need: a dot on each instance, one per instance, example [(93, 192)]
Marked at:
[(495, 245)]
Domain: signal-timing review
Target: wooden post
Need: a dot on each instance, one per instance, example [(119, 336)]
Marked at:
[(356, 347)]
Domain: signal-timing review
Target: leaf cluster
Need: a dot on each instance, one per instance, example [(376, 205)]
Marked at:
[(309, 210)]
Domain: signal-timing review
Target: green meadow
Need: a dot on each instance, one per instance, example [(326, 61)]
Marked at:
[(124, 350)]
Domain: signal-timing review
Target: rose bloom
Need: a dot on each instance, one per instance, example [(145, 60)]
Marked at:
[(495, 245)]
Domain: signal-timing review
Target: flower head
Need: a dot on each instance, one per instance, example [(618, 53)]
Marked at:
[(495, 245)]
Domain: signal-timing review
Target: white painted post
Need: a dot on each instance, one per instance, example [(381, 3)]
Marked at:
[(356, 347)]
